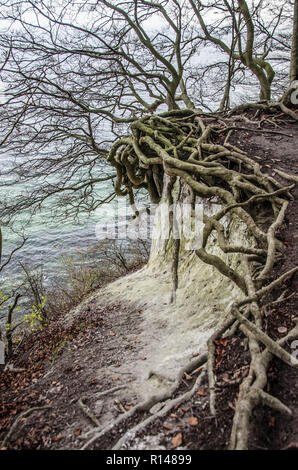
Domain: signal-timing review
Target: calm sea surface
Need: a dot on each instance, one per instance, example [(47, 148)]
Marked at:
[(48, 239)]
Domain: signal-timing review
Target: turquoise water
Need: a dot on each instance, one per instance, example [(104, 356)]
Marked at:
[(48, 238)]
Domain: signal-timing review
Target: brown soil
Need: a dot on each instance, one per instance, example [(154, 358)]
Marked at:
[(61, 362)]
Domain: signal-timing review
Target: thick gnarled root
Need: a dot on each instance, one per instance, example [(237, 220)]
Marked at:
[(181, 144), (147, 404)]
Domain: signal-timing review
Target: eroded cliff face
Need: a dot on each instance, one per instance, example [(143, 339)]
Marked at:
[(172, 333), (133, 342)]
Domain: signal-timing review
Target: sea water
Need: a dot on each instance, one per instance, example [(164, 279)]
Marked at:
[(49, 238)]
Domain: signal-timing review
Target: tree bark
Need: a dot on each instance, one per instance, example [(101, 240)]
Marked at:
[(294, 57)]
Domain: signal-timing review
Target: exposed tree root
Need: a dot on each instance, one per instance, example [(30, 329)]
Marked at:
[(110, 390), (18, 419), (210, 362), (170, 404), (86, 410), (271, 345), (251, 391), (268, 105), (146, 404), (181, 144), (286, 176)]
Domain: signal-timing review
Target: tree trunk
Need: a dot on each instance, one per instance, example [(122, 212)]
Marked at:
[(294, 57)]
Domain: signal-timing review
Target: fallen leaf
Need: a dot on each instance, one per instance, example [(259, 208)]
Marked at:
[(272, 422), (77, 432), (224, 341), (193, 421), (112, 334), (115, 378), (177, 440), (282, 329), (185, 409), (201, 393), (144, 358)]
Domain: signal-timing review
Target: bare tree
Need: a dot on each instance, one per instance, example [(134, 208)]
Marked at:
[(257, 29), (14, 296), (108, 97), (83, 72)]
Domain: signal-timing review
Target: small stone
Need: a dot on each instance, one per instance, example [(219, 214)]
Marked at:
[(282, 329)]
